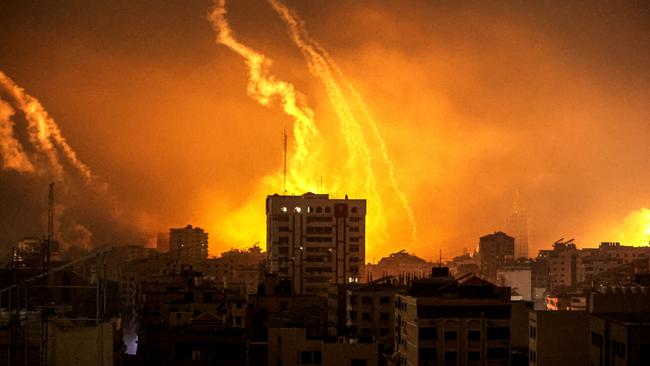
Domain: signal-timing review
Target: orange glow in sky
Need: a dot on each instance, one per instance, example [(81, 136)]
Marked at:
[(435, 112)]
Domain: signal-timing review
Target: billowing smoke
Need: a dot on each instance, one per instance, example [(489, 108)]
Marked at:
[(34, 152)]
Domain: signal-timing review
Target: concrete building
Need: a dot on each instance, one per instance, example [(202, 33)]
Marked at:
[(337, 309), (619, 339), (70, 342), (315, 241), (291, 346), (441, 321), (558, 338), (518, 278), (495, 250), (371, 313), (192, 242), (562, 264)]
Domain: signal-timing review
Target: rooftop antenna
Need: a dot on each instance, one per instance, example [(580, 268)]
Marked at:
[(284, 140), (440, 258)]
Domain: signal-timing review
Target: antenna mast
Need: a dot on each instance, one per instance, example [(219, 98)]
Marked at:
[(284, 184)]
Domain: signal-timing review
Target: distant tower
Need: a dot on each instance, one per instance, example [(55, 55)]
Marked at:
[(517, 226)]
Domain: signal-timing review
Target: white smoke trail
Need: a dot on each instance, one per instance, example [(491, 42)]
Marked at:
[(44, 133), (263, 87), (323, 67)]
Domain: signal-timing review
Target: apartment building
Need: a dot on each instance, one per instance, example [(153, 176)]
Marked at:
[(315, 241)]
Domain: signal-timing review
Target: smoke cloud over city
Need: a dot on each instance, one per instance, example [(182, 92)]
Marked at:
[(435, 112)]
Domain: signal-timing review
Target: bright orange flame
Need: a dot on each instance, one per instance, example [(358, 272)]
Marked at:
[(323, 66), (305, 165), (635, 229)]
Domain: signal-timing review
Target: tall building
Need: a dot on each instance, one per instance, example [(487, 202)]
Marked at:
[(517, 226), (495, 250), (315, 241), (192, 242)]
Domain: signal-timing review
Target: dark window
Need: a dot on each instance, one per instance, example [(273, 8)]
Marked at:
[(353, 299), (497, 354), (366, 300), (427, 333), (238, 320), (451, 335), (317, 357), (428, 354), (451, 356), (596, 339), (319, 229), (474, 356), (353, 315), (358, 362), (644, 354), (384, 300), (366, 316), (383, 331), (618, 349), (474, 335), (311, 358), (384, 316), (498, 333)]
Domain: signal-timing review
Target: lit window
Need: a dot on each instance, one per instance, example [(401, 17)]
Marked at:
[(297, 210), (283, 208)]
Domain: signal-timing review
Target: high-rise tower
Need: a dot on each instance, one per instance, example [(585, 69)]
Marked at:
[(517, 226), (315, 241)]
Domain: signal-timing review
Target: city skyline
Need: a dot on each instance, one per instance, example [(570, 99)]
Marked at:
[(160, 114)]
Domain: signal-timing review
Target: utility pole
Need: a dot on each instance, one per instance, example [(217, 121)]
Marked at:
[(46, 267)]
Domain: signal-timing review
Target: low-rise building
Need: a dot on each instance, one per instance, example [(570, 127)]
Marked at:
[(292, 346), (518, 278), (619, 339), (371, 312), (444, 321), (558, 338)]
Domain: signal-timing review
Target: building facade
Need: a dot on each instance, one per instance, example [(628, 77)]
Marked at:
[(442, 322), (495, 250), (191, 242), (315, 241)]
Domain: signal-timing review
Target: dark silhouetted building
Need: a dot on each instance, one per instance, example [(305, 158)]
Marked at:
[(442, 321), (495, 250), (192, 242)]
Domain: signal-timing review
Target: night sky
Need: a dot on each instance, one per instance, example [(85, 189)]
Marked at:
[(473, 100)]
